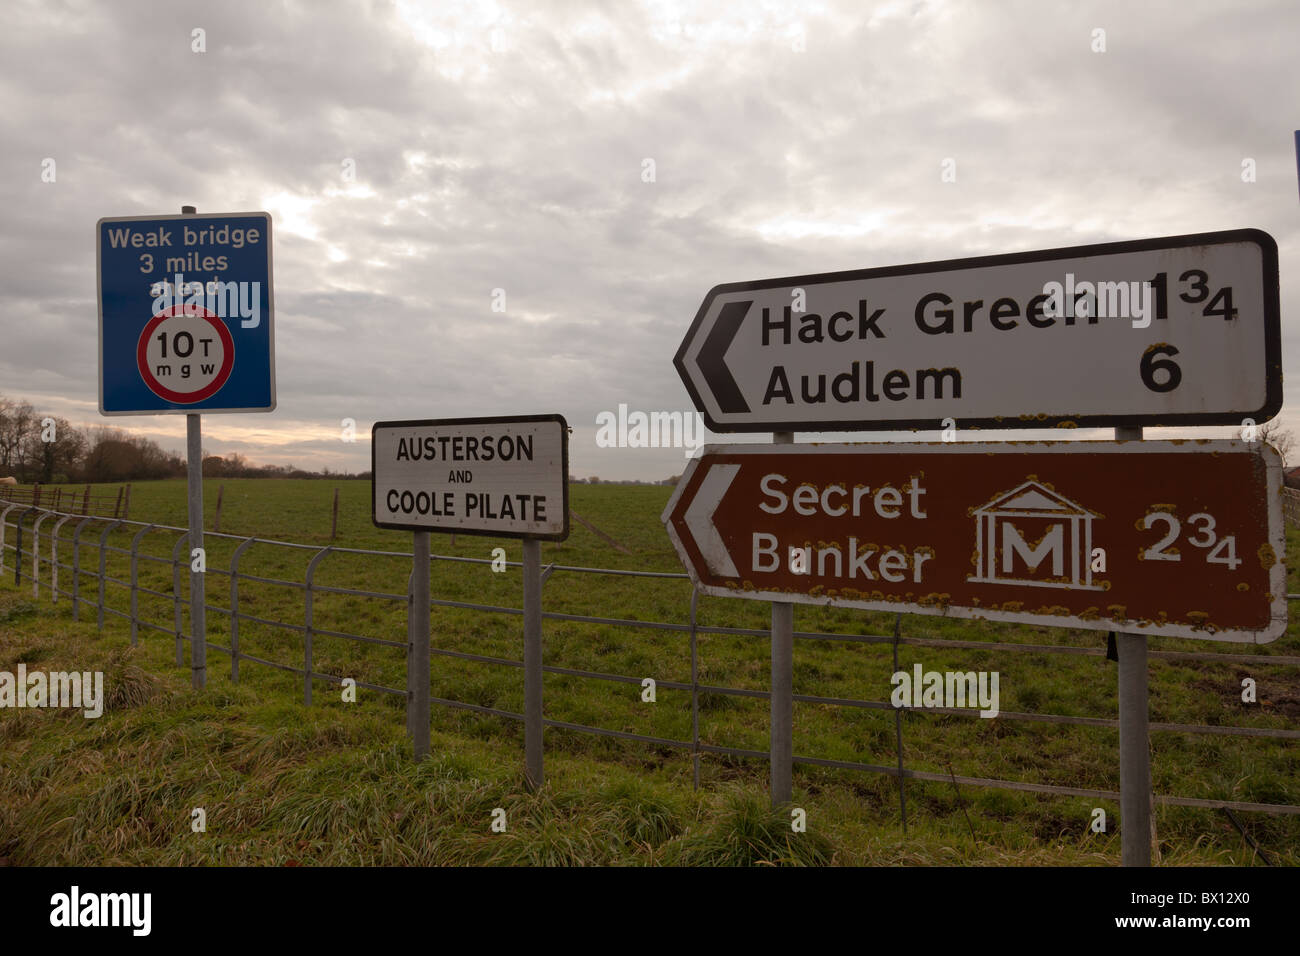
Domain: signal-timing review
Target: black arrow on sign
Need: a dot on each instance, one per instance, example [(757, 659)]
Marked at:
[(715, 370)]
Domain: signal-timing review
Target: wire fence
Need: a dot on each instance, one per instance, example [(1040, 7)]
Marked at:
[(93, 532), (58, 497)]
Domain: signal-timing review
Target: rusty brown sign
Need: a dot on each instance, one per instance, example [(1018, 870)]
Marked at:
[(1156, 537)]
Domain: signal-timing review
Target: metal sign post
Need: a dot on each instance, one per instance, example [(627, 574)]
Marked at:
[(782, 714), (198, 584), (1136, 819), (534, 773), (418, 716), (198, 591)]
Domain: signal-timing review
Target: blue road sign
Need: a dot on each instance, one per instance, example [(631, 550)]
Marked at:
[(186, 314)]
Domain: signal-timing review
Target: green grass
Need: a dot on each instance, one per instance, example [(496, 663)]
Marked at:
[(334, 783)]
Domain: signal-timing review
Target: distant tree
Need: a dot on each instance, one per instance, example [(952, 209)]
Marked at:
[(61, 458), (110, 460), (1283, 439), (115, 455), (15, 431)]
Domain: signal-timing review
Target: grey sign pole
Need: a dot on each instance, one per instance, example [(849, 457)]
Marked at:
[(782, 719), (1134, 736), (418, 678), (533, 771), (198, 595)]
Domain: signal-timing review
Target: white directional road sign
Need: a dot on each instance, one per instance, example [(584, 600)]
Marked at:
[(506, 477), (1176, 331)]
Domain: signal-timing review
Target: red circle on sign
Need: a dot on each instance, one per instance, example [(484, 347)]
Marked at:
[(207, 391)]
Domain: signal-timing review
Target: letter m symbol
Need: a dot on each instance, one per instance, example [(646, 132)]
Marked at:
[(1053, 542)]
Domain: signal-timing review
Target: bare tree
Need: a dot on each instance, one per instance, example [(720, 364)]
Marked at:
[(1283, 439), (15, 424)]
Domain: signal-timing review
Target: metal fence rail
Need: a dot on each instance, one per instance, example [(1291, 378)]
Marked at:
[(29, 551)]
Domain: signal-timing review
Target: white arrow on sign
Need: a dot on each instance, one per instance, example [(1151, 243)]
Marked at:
[(1183, 330), (699, 518)]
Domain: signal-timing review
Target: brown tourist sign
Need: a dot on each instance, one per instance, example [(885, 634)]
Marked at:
[(1178, 538)]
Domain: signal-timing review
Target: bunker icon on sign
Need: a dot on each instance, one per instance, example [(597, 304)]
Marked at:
[(1034, 536)]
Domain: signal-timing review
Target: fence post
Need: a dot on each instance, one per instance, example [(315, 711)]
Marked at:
[(117, 508), (36, 553), (103, 568), (4, 515), (135, 582), (18, 548), (419, 669), (334, 521), (58, 496), (695, 689), (410, 654), (85, 502), (126, 506), (307, 634), (234, 609), (216, 522), (76, 566), (54, 559), (17, 556), (898, 731), (36, 495), (176, 595)]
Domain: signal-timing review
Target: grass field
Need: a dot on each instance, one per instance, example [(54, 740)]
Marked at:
[(334, 783)]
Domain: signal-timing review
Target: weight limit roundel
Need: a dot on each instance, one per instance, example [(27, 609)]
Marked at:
[(185, 354)]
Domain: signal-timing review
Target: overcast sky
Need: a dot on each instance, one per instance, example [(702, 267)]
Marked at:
[(502, 146)]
